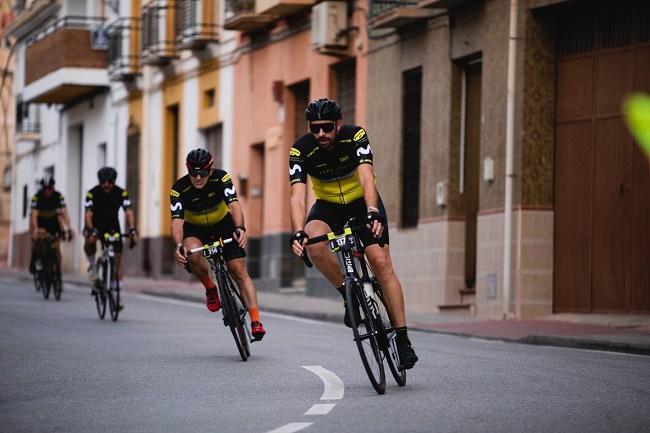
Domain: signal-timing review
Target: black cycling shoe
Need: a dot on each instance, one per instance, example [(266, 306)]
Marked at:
[(346, 316), (407, 357)]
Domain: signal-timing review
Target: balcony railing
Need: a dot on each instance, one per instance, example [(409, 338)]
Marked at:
[(195, 24), (123, 48), (282, 7), (240, 15), (65, 60), (396, 13), (157, 37), (28, 128)]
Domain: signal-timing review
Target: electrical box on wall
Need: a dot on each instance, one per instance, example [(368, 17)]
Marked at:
[(329, 25)]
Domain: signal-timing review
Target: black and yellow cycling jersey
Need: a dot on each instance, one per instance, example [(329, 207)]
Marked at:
[(333, 172), (47, 209), (105, 207), (205, 206)]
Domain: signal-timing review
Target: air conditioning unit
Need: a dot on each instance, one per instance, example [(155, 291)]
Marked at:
[(99, 37), (329, 26)]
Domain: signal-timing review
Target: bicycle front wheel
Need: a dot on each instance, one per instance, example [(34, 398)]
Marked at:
[(100, 293), (231, 315), (112, 293), (57, 284), (46, 281), (365, 335), (389, 344)]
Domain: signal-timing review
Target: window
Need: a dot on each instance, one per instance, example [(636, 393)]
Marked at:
[(208, 98), (213, 142), (25, 196), (411, 123), (346, 89), (101, 155)]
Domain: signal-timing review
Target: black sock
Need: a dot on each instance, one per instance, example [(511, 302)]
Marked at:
[(341, 290), (401, 337)]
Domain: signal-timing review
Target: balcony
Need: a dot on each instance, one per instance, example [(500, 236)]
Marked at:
[(123, 49), (195, 24), (28, 131), (65, 61), (157, 37), (442, 4), (281, 7), (397, 13), (241, 15)]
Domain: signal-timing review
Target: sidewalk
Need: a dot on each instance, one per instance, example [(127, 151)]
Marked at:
[(622, 333)]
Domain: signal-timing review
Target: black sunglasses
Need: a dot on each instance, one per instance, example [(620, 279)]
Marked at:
[(326, 127), (202, 173)]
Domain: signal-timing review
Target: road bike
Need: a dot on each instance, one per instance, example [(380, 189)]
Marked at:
[(47, 269), (233, 306), (107, 286), (372, 329)]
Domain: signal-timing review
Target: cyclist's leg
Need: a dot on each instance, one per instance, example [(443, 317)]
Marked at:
[(237, 268), (320, 254), (194, 237), (382, 266)]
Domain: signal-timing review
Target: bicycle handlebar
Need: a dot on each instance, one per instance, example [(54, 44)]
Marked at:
[(324, 237), (220, 242)]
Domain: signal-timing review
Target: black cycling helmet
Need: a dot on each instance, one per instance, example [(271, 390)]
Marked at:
[(198, 159), (47, 181), (107, 174), (323, 109)]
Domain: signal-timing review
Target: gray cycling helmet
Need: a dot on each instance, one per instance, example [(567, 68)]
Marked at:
[(47, 181), (323, 109)]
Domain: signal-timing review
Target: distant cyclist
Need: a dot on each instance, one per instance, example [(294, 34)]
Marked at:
[(103, 204), (49, 215), (338, 159), (205, 208)]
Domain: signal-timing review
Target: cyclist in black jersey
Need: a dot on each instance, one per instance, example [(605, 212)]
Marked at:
[(204, 208), (102, 205), (338, 159), (49, 215)]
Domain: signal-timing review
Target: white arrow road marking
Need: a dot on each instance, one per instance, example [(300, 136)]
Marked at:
[(320, 409), (334, 387), (292, 427)]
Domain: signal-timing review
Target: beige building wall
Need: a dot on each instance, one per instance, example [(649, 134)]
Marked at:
[(430, 258)]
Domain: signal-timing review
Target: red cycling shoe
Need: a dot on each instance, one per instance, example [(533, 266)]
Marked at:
[(257, 329), (212, 299)]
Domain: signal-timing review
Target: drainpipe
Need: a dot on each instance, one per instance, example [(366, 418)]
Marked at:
[(510, 138)]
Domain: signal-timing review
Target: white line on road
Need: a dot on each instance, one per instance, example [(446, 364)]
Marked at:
[(320, 409), (334, 387), (292, 427)]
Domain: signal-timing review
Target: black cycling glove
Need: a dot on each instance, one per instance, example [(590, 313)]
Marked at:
[(298, 236), (373, 216)]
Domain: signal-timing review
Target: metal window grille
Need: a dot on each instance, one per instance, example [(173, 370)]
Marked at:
[(411, 124)]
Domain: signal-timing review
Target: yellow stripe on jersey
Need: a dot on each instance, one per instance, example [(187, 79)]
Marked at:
[(206, 217), (47, 213), (341, 191)]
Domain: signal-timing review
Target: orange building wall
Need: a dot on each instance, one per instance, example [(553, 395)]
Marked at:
[(260, 119)]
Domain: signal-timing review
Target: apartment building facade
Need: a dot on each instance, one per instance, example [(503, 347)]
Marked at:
[(580, 214), (6, 131), (288, 53)]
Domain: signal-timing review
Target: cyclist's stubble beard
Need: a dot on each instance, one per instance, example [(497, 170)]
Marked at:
[(199, 182), (107, 187), (326, 139)]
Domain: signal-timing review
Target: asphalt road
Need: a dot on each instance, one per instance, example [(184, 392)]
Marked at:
[(171, 366)]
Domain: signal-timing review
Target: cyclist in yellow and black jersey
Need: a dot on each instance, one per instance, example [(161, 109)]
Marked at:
[(204, 208), (333, 172), (49, 215), (338, 159)]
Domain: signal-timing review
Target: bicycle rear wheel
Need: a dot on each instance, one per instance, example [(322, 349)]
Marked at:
[(365, 335), (389, 345), (46, 281), (231, 315)]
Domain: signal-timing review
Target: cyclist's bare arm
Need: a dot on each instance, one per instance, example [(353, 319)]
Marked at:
[(88, 219), (370, 195), (297, 208), (177, 235), (238, 218), (33, 223)]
